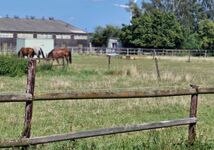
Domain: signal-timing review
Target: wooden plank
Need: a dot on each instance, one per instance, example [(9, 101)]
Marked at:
[(15, 97), (97, 132), (105, 95), (122, 94)]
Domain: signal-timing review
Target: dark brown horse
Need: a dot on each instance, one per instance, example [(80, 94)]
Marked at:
[(26, 51), (60, 53)]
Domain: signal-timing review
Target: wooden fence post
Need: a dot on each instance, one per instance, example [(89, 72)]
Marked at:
[(29, 104), (157, 68), (109, 62), (154, 54), (189, 56), (193, 113)]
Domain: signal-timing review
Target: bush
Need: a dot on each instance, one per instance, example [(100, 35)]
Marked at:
[(12, 66)]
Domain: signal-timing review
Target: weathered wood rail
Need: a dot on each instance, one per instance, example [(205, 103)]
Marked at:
[(103, 95), (29, 98)]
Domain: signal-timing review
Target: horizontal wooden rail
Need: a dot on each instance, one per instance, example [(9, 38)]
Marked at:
[(123, 94), (97, 132), (105, 95), (15, 97)]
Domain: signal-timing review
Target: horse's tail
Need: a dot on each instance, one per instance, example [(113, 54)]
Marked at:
[(42, 53), (70, 57)]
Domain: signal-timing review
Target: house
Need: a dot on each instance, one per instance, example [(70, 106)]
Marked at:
[(62, 33)]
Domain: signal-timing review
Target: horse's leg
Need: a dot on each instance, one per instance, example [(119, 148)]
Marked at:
[(67, 59), (63, 62), (21, 54), (57, 60)]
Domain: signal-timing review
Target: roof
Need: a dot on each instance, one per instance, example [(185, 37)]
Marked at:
[(37, 25)]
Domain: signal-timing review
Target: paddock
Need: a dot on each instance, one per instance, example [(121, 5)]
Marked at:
[(90, 74)]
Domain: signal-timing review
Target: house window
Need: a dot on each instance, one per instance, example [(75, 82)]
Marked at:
[(25, 35), (6, 35), (44, 36), (61, 36), (80, 37)]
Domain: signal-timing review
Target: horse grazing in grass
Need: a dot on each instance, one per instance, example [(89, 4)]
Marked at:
[(26, 51), (60, 53)]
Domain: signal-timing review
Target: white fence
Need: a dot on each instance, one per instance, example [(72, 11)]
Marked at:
[(142, 51), (134, 51)]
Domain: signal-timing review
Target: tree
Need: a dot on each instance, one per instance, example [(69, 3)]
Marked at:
[(134, 9), (188, 12), (102, 34), (192, 41), (158, 30), (206, 33)]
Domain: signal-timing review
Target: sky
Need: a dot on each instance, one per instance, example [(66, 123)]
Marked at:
[(84, 14)]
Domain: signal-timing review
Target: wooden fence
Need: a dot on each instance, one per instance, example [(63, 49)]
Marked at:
[(29, 98)]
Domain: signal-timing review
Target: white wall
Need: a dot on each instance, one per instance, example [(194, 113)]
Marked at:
[(46, 44)]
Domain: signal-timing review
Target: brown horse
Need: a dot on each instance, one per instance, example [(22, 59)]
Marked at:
[(60, 53), (26, 51)]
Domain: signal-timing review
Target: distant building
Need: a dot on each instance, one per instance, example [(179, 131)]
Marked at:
[(114, 43), (62, 33)]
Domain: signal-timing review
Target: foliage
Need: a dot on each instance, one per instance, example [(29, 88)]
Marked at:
[(206, 32), (159, 30), (193, 15), (189, 13), (12, 66), (192, 41), (134, 9), (102, 34)]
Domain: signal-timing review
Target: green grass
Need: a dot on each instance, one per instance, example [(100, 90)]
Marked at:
[(91, 73)]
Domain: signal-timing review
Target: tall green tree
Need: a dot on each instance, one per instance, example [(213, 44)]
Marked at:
[(206, 33), (157, 30), (134, 9), (102, 34), (188, 12)]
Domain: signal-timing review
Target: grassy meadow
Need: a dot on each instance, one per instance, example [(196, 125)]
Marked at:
[(91, 73)]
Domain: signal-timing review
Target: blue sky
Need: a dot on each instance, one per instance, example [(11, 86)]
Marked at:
[(85, 14)]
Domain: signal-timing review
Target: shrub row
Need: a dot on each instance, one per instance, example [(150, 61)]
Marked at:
[(12, 66)]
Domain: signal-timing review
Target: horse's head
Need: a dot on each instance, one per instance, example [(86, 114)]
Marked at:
[(20, 54), (50, 55)]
